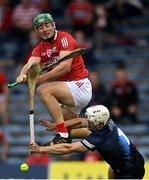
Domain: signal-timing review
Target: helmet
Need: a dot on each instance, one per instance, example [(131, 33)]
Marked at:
[(97, 114), (42, 18)]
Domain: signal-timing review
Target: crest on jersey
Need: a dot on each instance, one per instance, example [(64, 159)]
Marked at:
[(51, 51)]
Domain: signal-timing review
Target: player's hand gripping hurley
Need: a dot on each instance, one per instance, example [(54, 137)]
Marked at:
[(32, 75), (73, 54)]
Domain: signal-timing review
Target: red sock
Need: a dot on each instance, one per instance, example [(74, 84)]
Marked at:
[(62, 130)]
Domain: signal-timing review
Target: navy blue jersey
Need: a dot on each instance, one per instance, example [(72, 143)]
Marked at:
[(114, 146)]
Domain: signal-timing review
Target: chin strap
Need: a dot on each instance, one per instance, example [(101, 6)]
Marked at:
[(50, 39)]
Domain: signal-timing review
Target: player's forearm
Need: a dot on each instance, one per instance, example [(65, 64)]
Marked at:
[(58, 149), (63, 148), (71, 124), (76, 123), (24, 70), (31, 61), (56, 73)]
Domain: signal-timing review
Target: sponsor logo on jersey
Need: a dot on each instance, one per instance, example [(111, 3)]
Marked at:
[(43, 53), (49, 52), (53, 60)]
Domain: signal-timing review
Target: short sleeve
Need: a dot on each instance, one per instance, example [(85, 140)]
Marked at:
[(68, 43), (88, 145), (94, 141)]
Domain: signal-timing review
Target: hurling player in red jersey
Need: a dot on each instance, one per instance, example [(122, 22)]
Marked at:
[(65, 84)]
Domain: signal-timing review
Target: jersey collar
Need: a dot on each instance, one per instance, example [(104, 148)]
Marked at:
[(55, 37)]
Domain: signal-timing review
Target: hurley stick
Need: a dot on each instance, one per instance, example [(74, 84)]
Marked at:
[(32, 75)]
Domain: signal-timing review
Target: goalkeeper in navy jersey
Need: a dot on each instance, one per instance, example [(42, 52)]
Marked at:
[(125, 161)]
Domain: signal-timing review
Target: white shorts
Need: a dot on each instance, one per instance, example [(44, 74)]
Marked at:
[(82, 92)]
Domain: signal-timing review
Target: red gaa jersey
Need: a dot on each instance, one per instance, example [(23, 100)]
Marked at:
[(49, 52)]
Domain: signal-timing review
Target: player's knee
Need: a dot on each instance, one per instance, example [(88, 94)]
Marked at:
[(41, 90)]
